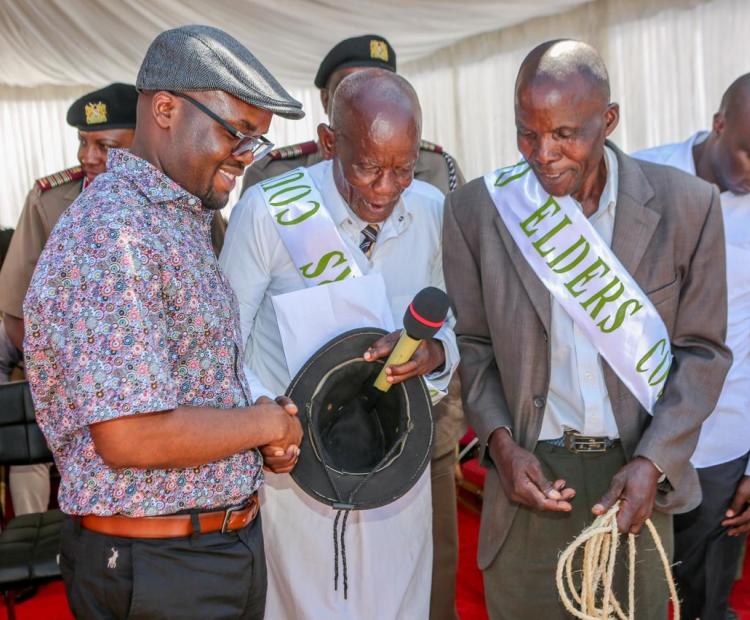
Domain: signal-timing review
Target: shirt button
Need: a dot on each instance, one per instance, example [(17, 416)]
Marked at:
[(539, 402), (589, 376)]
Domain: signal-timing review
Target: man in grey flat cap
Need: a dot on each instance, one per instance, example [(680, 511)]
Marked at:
[(134, 354)]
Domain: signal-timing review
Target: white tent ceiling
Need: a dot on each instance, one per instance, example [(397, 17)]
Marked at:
[(92, 42)]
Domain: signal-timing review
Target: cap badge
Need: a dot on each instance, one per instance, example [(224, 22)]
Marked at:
[(378, 50), (96, 113)]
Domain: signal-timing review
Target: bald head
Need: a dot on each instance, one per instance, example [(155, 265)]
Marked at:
[(734, 103), (373, 138), (724, 157), (375, 98), (565, 61)]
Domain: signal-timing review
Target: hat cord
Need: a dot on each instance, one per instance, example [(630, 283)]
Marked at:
[(347, 507)]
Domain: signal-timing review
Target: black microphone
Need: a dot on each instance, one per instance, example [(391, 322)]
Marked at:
[(422, 320)]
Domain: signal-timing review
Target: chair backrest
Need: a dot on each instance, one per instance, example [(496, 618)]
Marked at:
[(21, 439)]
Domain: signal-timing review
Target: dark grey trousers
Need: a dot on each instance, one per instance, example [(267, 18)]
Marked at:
[(706, 557), (520, 583), (217, 576)]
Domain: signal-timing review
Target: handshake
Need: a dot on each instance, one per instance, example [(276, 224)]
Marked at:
[(280, 456)]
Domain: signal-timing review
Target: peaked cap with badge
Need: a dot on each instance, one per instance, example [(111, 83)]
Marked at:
[(368, 50), (111, 107)]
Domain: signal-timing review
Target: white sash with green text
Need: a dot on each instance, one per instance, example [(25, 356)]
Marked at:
[(586, 278), (306, 229)]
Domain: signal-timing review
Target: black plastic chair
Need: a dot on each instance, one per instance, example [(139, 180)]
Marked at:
[(29, 544)]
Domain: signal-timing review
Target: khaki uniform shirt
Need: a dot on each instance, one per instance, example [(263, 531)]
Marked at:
[(45, 203), (435, 167)]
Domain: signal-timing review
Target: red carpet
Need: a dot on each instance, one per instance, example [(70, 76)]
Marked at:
[(50, 604)]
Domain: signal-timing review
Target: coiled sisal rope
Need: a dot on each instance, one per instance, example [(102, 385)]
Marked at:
[(594, 598)]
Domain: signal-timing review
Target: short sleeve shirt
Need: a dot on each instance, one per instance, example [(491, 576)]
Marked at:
[(128, 313)]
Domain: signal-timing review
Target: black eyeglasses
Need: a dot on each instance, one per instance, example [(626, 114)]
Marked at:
[(259, 146)]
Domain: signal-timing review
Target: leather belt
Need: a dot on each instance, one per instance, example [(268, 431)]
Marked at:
[(575, 443), (174, 526)]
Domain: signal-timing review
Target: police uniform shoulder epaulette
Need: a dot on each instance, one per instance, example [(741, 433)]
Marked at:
[(449, 161), (426, 145), (58, 178), (294, 150)]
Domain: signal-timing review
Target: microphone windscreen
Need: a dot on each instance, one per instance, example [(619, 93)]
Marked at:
[(426, 313)]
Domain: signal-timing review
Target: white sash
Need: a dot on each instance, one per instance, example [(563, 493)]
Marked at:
[(586, 279), (306, 229), (321, 256)]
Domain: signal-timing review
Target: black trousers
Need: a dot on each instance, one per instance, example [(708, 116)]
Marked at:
[(705, 556), (216, 576)]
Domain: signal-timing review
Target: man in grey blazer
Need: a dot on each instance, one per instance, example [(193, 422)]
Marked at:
[(533, 382)]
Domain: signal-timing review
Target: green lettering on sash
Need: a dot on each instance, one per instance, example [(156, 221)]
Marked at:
[(601, 297), (654, 378), (580, 243), (341, 276), (540, 242), (306, 189), (293, 176), (620, 315), (323, 264), (301, 218), (586, 276), (502, 180), (539, 215)]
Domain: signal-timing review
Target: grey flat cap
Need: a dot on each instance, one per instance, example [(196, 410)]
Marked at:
[(205, 58)]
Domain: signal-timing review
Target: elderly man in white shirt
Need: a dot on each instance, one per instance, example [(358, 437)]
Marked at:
[(709, 539), (382, 226)]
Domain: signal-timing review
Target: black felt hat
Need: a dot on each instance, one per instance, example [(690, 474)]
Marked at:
[(111, 107), (351, 457), (369, 50)]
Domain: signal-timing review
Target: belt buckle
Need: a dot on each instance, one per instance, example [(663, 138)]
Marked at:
[(228, 515), (581, 443)]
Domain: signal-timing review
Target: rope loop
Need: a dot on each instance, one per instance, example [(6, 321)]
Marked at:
[(593, 598)]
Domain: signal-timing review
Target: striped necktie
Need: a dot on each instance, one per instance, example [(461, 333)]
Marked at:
[(369, 235)]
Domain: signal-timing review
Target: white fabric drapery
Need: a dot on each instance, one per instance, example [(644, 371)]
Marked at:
[(669, 61), (85, 42)]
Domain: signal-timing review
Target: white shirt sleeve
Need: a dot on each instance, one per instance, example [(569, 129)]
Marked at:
[(245, 262), (438, 381)]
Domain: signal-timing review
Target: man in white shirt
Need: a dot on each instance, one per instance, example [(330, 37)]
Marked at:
[(709, 539), (387, 226)]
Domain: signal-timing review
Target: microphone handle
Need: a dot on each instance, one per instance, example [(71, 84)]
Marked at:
[(401, 353)]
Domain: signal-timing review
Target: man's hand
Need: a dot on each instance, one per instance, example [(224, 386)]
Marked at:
[(738, 514), (428, 356), (281, 456), (635, 487), (522, 477)]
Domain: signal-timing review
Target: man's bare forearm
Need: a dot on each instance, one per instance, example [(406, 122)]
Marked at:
[(188, 436)]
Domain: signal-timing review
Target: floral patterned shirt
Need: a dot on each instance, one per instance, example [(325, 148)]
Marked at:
[(129, 313)]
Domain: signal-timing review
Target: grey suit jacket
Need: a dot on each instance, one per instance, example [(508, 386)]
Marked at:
[(669, 235)]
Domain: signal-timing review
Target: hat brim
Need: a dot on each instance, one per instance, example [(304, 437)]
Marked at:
[(364, 64), (394, 478), (105, 126)]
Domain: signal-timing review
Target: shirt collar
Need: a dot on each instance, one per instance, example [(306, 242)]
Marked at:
[(608, 199), (153, 183), (683, 156)]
